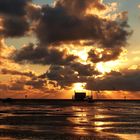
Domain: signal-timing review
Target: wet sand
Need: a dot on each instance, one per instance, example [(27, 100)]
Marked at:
[(68, 120)]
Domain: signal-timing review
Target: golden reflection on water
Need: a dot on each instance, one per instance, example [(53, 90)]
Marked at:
[(93, 122), (99, 125), (80, 118), (80, 130), (5, 127), (129, 136), (7, 138)]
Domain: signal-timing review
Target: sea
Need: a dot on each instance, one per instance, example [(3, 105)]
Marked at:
[(69, 120)]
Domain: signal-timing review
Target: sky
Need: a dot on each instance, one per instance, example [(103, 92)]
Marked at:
[(49, 49)]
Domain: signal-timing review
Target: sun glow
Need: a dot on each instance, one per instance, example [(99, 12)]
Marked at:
[(82, 54), (101, 68), (79, 86), (104, 67)]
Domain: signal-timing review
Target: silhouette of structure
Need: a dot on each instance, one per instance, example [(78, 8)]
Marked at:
[(79, 96)]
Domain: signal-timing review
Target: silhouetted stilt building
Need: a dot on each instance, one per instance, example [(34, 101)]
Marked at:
[(79, 96), (82, 96)]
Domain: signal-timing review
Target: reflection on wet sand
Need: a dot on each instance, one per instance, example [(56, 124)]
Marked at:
[(84, 118), (61, 119), (80, 120)]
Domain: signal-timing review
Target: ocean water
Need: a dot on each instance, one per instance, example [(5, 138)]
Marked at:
[(69, 120)]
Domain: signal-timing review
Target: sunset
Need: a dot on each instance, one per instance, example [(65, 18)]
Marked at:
[(72, 50), (48, 46)]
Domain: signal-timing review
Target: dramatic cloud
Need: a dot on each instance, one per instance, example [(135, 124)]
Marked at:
[(59, 24), (15, 72), (57, 27), (127, 80), (14, 7), (19, 79), (84, 69), (5, 53), (36, 83), (78, 7), (104, 55), (66, 76), (14, 18), (69, 21), (41, 55), (24, 84), (34, 11), (14, 27)]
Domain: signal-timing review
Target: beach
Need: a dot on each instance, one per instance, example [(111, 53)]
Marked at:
[(69, 120)]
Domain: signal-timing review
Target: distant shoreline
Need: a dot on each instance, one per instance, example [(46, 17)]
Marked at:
[(95, 100)]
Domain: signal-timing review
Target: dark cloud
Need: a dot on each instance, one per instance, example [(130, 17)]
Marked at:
[(36, 83), (59, 24), (114, 73), (33, 83), (105, 55), (14, 17), (18, 85), (66, 76), (84, 69), (41, 55), (34, 12), (15, 27), (79, 7), (67, 21), (115, 34), (13, 7), (128, 80), (15, 72), (25, 84)]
